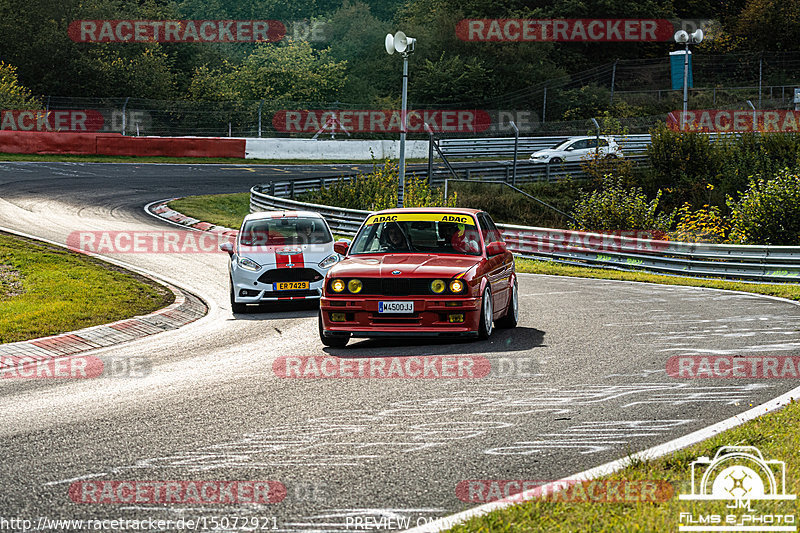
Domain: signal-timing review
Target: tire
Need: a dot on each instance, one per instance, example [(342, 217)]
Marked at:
[(236, 307), (556, 160), (611, 156), (333, 341), (511, 317), (486, 322)]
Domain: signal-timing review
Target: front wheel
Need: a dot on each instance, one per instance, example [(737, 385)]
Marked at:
[(511, 317), (335, 341), (556, 160), (487, 311)]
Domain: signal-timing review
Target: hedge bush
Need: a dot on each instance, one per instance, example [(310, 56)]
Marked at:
[(378, 190), (617, 207), (768, 212)]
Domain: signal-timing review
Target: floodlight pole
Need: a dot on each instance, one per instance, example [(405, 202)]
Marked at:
[(401, 183), (685, 87)]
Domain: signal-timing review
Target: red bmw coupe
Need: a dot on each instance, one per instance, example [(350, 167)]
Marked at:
[(420, 272)]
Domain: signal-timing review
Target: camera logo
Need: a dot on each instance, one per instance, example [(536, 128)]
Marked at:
[(739, 475)]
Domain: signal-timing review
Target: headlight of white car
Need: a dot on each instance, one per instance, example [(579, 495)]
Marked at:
[(249, 264), (329, 261)]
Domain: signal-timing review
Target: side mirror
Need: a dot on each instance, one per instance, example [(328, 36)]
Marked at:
[(227, 247), (341, 247), (496, 248)]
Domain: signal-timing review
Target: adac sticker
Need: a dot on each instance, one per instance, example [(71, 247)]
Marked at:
[(421, 217)]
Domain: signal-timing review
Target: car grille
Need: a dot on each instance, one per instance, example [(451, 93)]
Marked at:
[(285, 294), (290, 274), (394, 287)]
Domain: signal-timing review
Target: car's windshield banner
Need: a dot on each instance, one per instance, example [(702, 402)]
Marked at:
[(420, 217)]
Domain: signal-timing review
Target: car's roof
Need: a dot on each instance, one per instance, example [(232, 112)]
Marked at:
[(455, 210), (588, 137), (263, 215)]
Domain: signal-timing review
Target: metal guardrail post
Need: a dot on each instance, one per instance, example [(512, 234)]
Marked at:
[(467, 174), (272, 188), (547, 172)]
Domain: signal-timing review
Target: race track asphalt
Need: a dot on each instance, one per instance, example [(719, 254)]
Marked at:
[(594, 388)]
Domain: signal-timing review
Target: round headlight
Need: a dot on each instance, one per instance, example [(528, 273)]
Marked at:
[(456, 285), (337, 285), (438, 286), (354, 286)]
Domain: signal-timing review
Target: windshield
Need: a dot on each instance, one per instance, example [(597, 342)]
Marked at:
[(285, 230), (418, 233), (562, 144)]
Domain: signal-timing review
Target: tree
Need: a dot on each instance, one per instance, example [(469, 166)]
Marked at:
[(290, 72), (12, 94), (770, 25)]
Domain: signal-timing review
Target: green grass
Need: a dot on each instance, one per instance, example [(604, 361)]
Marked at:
[(221, 209), (775, 434), (47, 290), (184, 160)]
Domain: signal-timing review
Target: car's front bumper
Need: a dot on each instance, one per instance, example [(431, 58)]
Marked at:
[(249, 290), (430, 317)]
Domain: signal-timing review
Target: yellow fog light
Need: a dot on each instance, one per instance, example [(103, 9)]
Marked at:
[(338, 317), (337, 285), (453, 304), (438, 286), (354, 286), (452, 318), (456, 285)]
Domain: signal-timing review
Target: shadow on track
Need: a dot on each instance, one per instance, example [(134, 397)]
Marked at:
[(519, 339), (280, 310)]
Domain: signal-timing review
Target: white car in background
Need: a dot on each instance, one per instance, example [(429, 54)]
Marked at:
[(579, 149), (279, 256)]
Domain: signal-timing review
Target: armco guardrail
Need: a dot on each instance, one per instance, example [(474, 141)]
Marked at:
[(487, 171), (624, 250), (504, 146)]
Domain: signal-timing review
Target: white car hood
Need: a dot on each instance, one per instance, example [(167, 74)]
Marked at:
[(309, 254)]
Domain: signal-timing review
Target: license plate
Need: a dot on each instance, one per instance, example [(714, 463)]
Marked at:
[(290, 286), (395, 307)]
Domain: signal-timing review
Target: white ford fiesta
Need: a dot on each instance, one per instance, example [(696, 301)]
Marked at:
[(279, 255)]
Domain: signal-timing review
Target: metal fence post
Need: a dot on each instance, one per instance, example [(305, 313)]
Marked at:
[(260, 105), (613, 78), (516, 150), (544, 106), (430, 156), (124, 107)]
